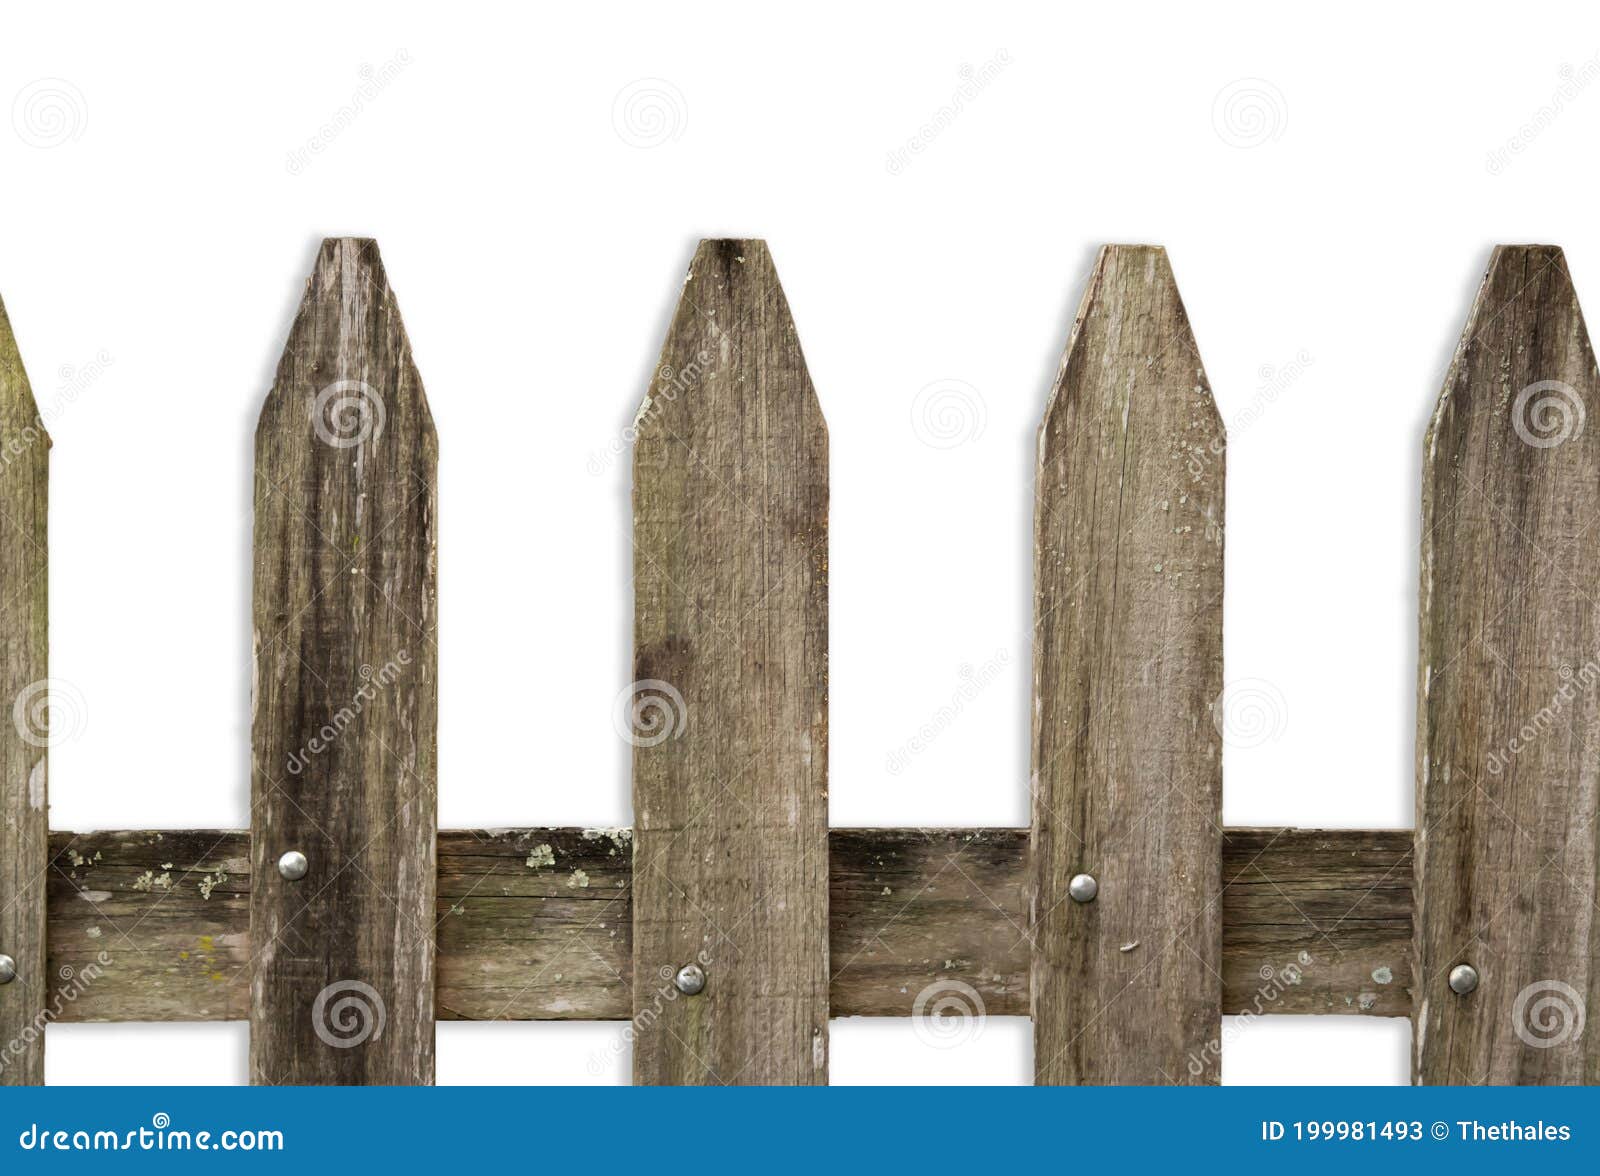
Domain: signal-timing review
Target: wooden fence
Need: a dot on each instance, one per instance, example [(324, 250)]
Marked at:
[(730, 923)]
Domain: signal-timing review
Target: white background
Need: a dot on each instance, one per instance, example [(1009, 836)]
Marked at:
[(536, 227)]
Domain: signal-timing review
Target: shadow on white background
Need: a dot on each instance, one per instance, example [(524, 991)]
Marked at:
[(1268, 1051)]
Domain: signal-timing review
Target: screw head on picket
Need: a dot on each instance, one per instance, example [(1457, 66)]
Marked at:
[(8, 969), (1083, 888), (690, 980), (1463, 979), (293, 865)]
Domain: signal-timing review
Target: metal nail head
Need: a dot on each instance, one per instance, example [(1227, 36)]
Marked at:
[(1083, 888), (8, 969), (1463, 979), (691, 980), (293, 865)]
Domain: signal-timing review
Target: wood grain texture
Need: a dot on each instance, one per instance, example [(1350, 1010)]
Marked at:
[(1127, 770), (1316, 921), (910, 909), (154, 923), (1508, 710), (24, 643), (730, 653), (346, 693), (548, 941)]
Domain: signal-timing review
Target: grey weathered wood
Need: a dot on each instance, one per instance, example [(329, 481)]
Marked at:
[(346, 693), (1316, 921), (909, 908), (1127, 770), (551, 940), (1508, 710), (170, 910), (24, 824), (730, 653)]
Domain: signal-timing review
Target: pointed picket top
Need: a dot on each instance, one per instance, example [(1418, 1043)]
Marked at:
[(18, 409), (1127, 670), (346, 714), (1129, 281), (349, 316), (1508, 704), (731, 297), (728, 711)]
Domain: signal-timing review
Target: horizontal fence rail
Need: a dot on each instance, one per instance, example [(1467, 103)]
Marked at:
[(730, 923), (1313, 921)]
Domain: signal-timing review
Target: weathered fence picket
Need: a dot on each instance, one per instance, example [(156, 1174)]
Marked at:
[(729, 709), (731, 923), (24, 744), (1127, 665), (343, 764), (1507, 710)]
